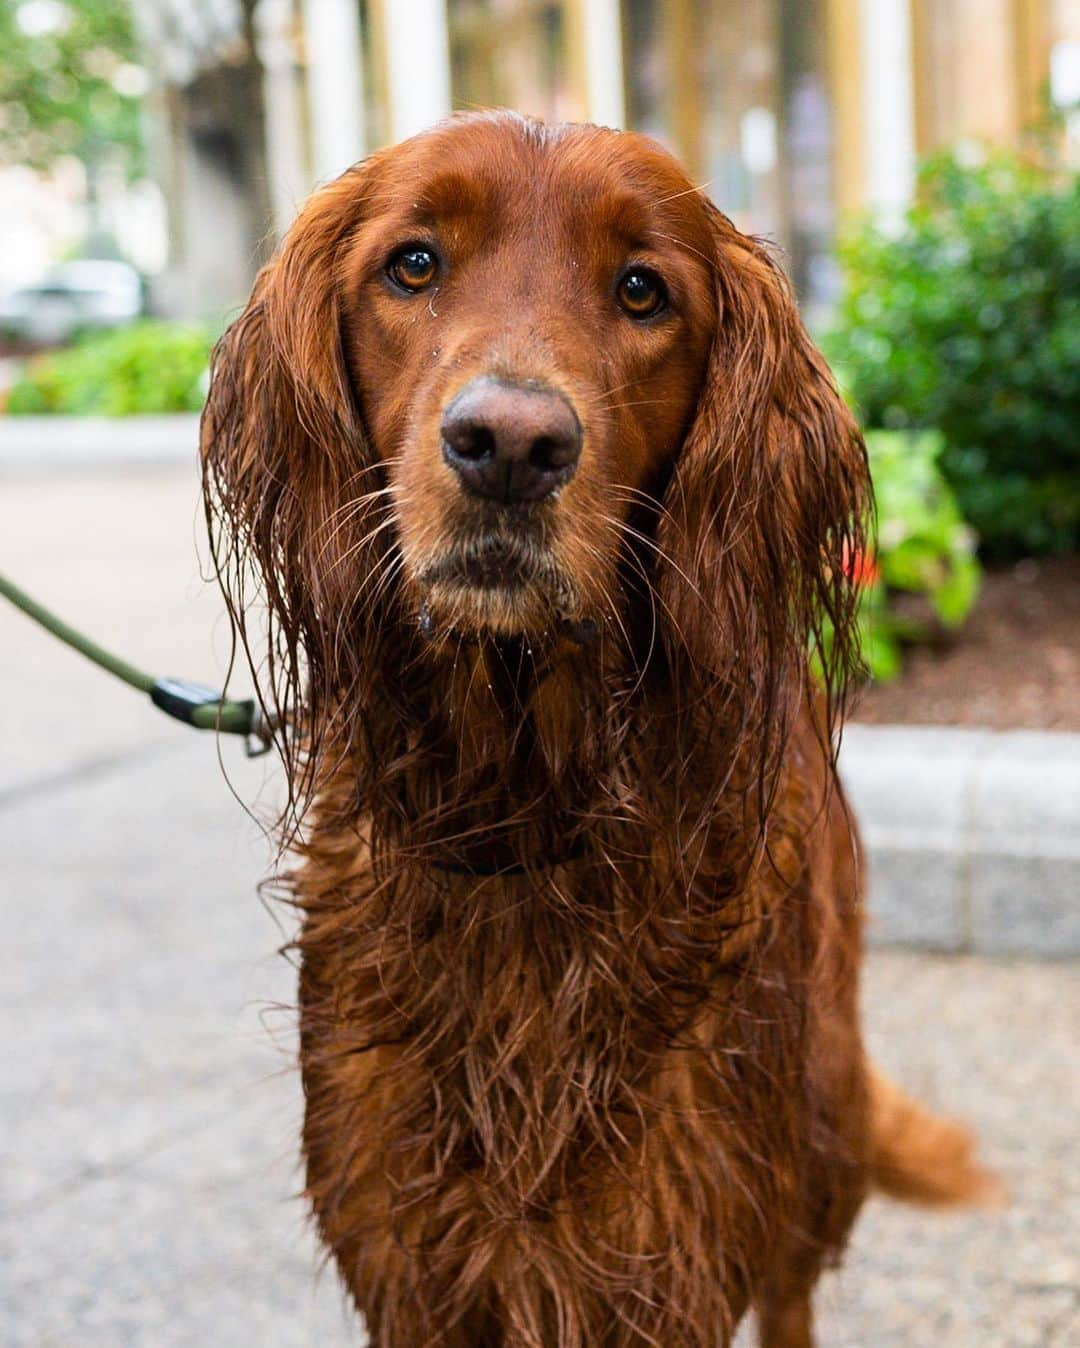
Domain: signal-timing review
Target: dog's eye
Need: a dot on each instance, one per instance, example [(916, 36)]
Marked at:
[(641, 293), (413, 267)]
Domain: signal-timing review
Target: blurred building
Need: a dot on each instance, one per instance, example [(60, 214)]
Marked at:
[(794, 113)]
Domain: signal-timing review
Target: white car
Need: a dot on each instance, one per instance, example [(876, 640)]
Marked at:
[(72, 296)]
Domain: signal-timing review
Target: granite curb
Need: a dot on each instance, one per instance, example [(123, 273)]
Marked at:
[(972, 837)]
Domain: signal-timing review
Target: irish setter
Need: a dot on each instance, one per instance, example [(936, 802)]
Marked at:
[(546, 500)]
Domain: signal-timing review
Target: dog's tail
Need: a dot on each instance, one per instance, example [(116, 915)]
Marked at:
[(920, 1158)]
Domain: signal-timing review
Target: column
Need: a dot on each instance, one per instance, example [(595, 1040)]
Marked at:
[(285, 157), (888, 106), (605, 95), (417, 64), (335, 85)]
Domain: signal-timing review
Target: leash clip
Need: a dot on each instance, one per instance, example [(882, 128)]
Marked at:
[(259, 740), (181, 699), (206, 709)]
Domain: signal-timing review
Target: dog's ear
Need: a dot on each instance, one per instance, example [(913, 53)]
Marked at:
[(767, 506), (282, 446)]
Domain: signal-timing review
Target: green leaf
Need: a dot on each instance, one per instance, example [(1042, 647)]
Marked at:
[(882, 655), (953, 599)]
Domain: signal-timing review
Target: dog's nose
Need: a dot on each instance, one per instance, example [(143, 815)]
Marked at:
[(511, 442)]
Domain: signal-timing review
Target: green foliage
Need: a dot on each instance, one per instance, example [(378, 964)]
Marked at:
[(70, 82), (147, 367), (969, 322), (924, 549)]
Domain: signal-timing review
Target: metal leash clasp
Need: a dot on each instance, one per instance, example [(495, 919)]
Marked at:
[(206, 709), (259, 740)]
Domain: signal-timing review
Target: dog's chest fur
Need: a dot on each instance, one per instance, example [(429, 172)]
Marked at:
[(510, 1137)]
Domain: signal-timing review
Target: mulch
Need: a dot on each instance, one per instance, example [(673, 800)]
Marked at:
[(1015, 664)]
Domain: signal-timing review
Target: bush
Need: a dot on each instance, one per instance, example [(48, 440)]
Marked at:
[(969, 322), (147, 367), (924, 549)]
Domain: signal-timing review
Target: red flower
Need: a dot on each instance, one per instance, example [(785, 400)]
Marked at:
[(859, 567)]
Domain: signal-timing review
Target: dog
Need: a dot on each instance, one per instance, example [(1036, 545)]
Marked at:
[(548, 505)]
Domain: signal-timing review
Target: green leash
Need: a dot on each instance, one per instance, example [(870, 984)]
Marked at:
[(184, 701)]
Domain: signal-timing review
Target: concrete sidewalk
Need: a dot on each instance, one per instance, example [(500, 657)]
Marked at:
[(148, 1139)]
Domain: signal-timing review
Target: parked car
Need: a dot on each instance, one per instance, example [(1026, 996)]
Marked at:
[(71, 297)]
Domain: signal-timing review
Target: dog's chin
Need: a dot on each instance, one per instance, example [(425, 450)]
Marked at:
[(496, 611), (500, 590)]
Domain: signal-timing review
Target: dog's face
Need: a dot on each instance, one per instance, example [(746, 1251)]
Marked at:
[(527, 322), (506, 379)]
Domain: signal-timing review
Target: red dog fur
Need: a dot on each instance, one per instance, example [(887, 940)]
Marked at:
[(580, 944)]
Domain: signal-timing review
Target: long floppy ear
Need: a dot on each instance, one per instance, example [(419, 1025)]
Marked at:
[(766, 509), (282, 449)]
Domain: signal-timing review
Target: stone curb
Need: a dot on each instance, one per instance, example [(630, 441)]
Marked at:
[(33, 443), (973, 837)]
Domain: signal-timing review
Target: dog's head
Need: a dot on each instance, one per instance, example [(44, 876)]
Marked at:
[(526, 321), (504, 376)]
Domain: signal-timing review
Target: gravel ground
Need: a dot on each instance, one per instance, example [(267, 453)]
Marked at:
[(994, 1043), (149, 1111)]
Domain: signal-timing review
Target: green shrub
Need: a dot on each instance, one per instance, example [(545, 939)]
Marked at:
[(147, 367), (923, 548), (969, 322)]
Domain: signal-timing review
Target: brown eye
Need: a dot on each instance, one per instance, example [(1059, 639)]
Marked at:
[(413, 267), (641, 293)]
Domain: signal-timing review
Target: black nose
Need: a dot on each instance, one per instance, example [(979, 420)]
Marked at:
[(511, 442)]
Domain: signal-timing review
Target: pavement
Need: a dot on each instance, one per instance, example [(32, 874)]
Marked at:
[(148, 1178)]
